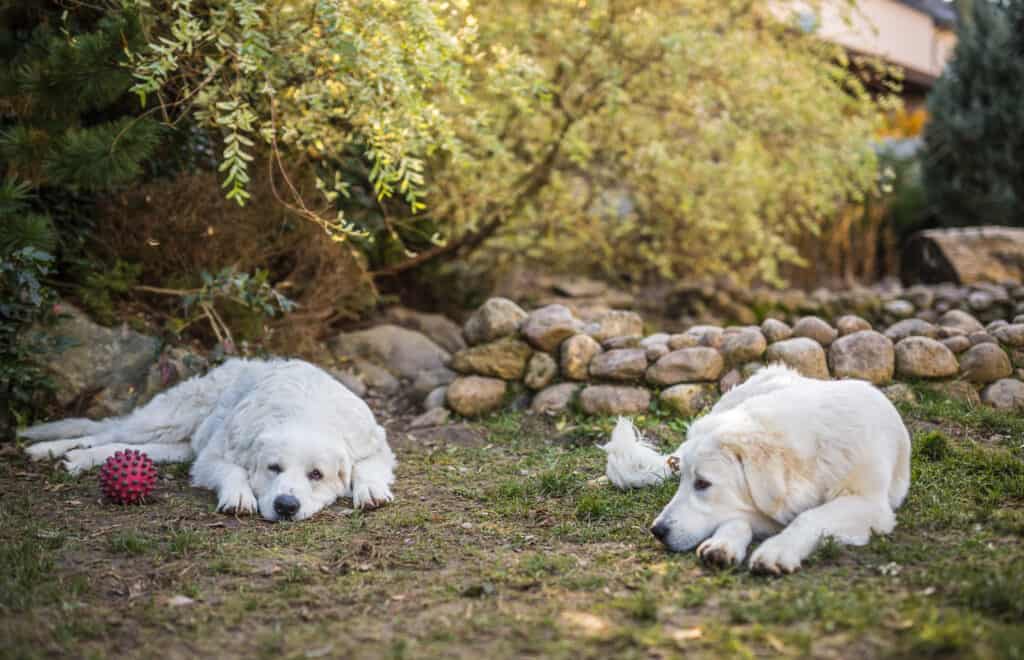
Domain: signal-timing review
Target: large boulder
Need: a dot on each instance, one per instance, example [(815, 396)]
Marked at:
[(921, 357), (619, 364), (496, 318), (110, 366), (802, 354), (743, 345), (688, 399), (504, 358), (687, 365), (964, 255), (440, 329), (402, 352), (866, 355), (985, 363), (475, 395), (1005, 394), (546, 328), (615, 400), (577, 352)]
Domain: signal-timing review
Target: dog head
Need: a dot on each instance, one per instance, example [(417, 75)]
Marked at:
[(729, 469), (297, 473)]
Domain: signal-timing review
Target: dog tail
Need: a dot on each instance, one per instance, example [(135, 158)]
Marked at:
[(632, 461), (65, 428)]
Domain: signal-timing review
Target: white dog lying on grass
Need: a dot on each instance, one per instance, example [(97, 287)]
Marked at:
[(279, 437), (781, 456)]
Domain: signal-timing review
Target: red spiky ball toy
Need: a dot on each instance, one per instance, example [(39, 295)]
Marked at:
[(127, 477)]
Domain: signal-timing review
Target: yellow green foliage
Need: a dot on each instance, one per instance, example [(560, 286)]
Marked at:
[(637, 137)]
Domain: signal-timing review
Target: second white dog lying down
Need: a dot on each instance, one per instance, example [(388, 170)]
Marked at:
[(279, 437), (781, 456)]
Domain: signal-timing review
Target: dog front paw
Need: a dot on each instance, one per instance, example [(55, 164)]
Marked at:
[(78, 461), (238, 501), (51, 449), (719, 552), (775, 557), (371, 496)]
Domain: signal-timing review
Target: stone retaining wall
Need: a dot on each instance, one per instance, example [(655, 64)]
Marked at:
[(550, 360)]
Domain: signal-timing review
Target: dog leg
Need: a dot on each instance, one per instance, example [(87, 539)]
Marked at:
[(229, 481), (728, 545), (372, 478), (79, 460), (849, 520)]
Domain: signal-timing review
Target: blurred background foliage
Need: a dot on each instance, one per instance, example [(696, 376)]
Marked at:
[(340, 152)]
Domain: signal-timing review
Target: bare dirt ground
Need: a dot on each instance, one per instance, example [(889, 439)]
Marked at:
[(504, 542)]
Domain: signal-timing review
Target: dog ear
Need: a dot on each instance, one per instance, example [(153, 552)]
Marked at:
[(777, 478)]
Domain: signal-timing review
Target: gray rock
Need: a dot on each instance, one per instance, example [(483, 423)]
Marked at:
[(658, 338), (985, 363), (996, 325), (540, 371), (981, 337), (743, 345), (815, 328), (620, 364), (429, 380), (921, 296), (921, 357), (577, 353), (911, 328), (655, 352), (436, 399), (866, 355), (900, 309), (616, 323), (944, 332), (682, 340), (731, 379), (979, 301), (802, 354), (614, 400), (350, 380), (402, 352), (546, 328), (556, 398), (750, 368), (688, 399), (376, 378), (475, 395), (433, 417), (775, 330), (710, 336), (177, 364), (900, 393), (109, 364), (687, 365), (851, 323), (503, 358), (955, 318), (1011, 335), (440, 329), (496, 318), (1005, 394), (958, 344)]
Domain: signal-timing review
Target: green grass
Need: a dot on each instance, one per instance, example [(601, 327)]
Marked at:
[(515, 547)]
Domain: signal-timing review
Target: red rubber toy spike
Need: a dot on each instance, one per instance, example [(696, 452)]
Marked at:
[(127, 477)]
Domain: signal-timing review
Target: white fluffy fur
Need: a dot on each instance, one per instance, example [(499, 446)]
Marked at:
[(246, 419), (788, 458)]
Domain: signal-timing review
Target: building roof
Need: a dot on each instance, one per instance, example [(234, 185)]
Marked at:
[(942, 12)]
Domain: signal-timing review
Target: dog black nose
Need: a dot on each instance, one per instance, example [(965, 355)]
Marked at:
[(286, 506), (660, 531)]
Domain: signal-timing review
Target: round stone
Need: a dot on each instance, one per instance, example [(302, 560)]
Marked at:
[(802, 354), (865, 355), (614, 400), (540, 371), (1005, 394), (577, 352), (555, 398), (688, 399), (900, 309), (985, 363), (619, 364), (911, 328), (743, 345), (496, 318), (922, 357), (775, 330), (687, 365), (656, 351), (1011, 334), (851, 323), (475, 395), (955, 318), (616, 323), (958, 344), (682, 340), (815, 328), (546, 328), (505, 358)]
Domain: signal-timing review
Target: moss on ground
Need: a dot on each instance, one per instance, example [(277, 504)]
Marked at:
[(512, 546)]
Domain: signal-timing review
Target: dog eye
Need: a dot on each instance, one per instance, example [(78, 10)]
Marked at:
[(274, 467), (701, 484), (315, 475)]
